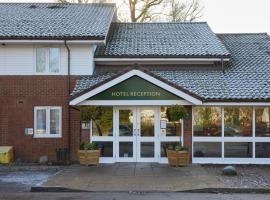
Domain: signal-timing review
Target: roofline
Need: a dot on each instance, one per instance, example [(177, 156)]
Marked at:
[(128, 69), (160, 58), (255, 33), (68, 3), (52, 41)]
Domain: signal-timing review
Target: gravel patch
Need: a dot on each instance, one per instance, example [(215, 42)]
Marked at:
[(248, 176)]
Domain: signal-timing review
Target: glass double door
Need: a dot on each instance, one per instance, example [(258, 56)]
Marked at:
[(136, 134)]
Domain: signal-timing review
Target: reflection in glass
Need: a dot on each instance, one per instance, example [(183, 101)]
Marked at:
[(125, 123), (147, 123), (41, 121), (106, 148), (167, 145), (238, 149), (262, 115), (54, 55), (54, 121), (172, 128), (147, 150), (262, 149), (40, 59), (207, 121), (103, 125), (238, 121), (207, 149), (125, 149)]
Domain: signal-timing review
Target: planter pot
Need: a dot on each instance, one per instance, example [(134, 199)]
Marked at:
[(178, 158), (89, 157)]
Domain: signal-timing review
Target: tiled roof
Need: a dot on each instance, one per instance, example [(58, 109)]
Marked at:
[(55, 20), (188, 39), (246, 79)]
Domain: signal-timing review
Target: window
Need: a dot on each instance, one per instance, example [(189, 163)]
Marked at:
[(207, 149), (48, 121), (103, 124), (207, 121), (238, 121), (172, 128), (262, 116), (47, 60), (238, 149)]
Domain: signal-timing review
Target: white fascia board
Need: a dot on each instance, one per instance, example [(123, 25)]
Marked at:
[(236, 104), (142, 75), (52, 41), (133, 102), (159, 59)]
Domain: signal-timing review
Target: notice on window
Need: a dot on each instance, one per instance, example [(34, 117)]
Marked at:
[(29, 131), (163, 124), (163, 132)]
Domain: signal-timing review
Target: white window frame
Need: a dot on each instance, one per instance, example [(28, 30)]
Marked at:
[(47, 67), (222, 160), (47, 134)]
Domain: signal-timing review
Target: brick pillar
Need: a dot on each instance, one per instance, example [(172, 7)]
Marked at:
[(75, 133), (188, 131)]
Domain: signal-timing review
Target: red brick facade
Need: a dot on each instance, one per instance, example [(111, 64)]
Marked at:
[(18, 97)]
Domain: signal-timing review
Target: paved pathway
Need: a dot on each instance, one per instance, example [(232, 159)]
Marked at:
[(133, 177), (131, 196)]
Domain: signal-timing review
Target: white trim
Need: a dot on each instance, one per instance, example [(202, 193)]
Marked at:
[(47, 134), (159, 59), (142, 75), (52, 41), (134, 102)]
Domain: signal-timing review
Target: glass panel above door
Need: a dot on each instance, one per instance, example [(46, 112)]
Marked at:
[(147, 123), (126, 122)]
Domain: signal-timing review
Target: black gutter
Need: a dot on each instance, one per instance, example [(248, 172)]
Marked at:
[(68, 91)]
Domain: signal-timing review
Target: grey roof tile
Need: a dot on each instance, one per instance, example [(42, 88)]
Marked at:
[(188, 39), (47, 20), (247, 77)]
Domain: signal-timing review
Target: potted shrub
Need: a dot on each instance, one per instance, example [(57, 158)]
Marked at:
[(89, 154), (178, 155)]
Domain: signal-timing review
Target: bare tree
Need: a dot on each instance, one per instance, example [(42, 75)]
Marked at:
[(151, 10), (184, 11)]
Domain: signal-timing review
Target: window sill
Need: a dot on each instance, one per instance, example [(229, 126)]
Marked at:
[(47, 136)]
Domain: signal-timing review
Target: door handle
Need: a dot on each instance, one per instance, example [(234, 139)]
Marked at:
[(134, 132), (138, 132)]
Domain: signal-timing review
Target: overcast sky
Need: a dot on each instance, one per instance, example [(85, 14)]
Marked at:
[(226, 16)]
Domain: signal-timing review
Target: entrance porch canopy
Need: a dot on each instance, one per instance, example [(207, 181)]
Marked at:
[(135, 86)]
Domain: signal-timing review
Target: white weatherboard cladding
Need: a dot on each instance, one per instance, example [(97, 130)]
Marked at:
[(20, 59)]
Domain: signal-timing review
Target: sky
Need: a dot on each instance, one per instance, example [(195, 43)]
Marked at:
[(226, 16)]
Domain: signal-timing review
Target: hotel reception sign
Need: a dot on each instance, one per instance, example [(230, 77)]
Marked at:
[(135, 88)]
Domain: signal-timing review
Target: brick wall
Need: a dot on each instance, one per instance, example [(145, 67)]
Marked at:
[(18, 97)]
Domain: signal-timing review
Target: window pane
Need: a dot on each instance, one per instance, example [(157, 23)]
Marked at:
[(125, 149), (147, 149), (238, 121), (147, 123), (238, 149), (41, 121), (172, 128), (103, 125), (54, 60), (207, 121), (106, 149), (207, 149), (55, 121), (125, 123), (262, 116), (40, 60), (262, 149), (165, 145)]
